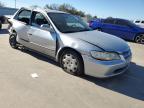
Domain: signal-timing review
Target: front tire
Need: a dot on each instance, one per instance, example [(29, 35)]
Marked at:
[(139, 39), (12, 41), (72, 63)]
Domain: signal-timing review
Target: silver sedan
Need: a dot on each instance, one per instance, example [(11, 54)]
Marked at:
[(68, 40)]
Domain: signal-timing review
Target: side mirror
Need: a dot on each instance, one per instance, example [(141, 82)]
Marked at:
[(47, 27)]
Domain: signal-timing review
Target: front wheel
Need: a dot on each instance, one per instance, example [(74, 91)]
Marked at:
[(140, 39), (72, 63), (12, 41)]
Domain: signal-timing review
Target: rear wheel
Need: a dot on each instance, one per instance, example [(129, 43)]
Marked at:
[(140, 39), (12, 41), (72, 63)]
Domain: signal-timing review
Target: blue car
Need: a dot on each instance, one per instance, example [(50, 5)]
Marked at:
[(122, 28)]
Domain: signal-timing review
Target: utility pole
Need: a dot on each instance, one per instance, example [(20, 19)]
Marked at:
[(15, 3)]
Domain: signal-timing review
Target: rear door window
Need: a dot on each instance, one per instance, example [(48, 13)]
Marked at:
[(24, 16)]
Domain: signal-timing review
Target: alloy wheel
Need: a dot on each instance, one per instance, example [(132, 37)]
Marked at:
[(140, 39)]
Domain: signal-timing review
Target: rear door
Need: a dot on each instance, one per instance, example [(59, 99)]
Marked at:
[(21, 23), (41, 39)]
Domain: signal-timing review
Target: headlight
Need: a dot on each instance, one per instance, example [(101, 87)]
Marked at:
[(105, 55)]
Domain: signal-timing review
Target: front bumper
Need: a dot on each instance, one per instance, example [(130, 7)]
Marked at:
[(104, 69)]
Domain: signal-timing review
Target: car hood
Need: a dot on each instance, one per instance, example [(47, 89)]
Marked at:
[(103, 40)]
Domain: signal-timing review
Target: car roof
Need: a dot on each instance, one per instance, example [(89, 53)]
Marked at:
[(118, 19), (43, 10)]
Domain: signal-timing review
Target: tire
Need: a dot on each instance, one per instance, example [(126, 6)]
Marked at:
[(139, 39), (72, 63), (12, 41)]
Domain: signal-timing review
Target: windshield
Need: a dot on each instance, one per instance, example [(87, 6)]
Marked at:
[(67, 23)]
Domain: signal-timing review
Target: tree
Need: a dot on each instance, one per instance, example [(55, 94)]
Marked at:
[(65, 8), (52, 7), (1, 4), (109, 17), (89, 17), (95, 17), (70, 9)]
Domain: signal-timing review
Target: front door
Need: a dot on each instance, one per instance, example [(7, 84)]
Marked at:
[(108, 26), (123, 30), (41, 39)]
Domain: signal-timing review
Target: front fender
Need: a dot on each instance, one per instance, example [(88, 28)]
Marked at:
[(78, 45)]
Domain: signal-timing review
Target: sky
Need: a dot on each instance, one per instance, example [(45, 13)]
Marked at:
[(128, 9)]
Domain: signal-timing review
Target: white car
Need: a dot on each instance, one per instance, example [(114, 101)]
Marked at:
[(139, 22)]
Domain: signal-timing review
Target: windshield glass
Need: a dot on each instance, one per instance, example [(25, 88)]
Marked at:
[(67, 23)]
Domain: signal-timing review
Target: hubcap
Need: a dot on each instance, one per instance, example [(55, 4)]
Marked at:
[(70, 63)]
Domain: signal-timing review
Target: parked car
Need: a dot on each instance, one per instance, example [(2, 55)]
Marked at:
[(140, 23), (119, 27), (68, 40)]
